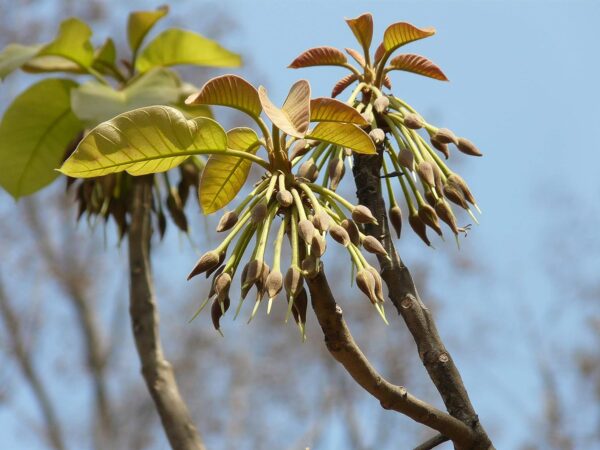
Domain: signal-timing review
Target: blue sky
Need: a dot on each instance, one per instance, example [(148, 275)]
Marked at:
[(524, 87)]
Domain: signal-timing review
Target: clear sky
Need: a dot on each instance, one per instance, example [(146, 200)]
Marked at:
[(524, 87)]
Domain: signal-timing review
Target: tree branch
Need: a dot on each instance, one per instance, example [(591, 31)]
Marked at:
[(432, 443), (342, 347), (404, 296), (156, 370)]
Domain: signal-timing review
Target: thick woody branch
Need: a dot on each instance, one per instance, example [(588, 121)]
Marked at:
[(342, 347), (156, 370), (403, 294)]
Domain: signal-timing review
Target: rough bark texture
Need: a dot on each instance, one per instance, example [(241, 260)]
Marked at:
[(343, 348), (404, 296), (157, 371)]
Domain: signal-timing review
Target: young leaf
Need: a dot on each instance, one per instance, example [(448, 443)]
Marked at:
[(142, 141), (140, 23), (324, 109), (401, 33), (319, 56), (105, 56), (14, 56), (174, 46), (34, 134), (293, 118), (343, 134), (231, 91), (342, 84), (72, 43), (356, 56), (362, 27), (224, 175), (419, 65), (94, 102)]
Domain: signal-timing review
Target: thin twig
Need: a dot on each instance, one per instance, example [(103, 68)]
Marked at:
[(432, 443)]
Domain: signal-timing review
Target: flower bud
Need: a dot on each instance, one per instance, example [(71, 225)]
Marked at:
[(218, 268), (285, 198), (366, 283), (425, 171), (274, 283), (406, 159), (259, 212), (443, 148), (216, 311), (467, 147), (430, 197), (318, 245), (207, 261), (339, 234), (378, 283), (228, 220), (444, 212), (293, 281), (337, 170), (218, 272), (377, 135), (445, 136), (362, 214), (395, 214), (321, 221), (310, 266), (437, 178), (381, 104), (299, 148), (308, 170), (222, 284), (175, 208), (455, 195), (255, 270), (306, 230), (429, 217), (413, 121), (300, 306), (462, 185), (352, 231), (372, 245), (418, 227)]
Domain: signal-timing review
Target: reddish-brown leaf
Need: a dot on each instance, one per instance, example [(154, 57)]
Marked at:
[(330, 110), (417, 64), (357, 56), (401, 33), (319, 56), (379, 53), (362, 27), (387, 82), (341, 85), (293, 118)]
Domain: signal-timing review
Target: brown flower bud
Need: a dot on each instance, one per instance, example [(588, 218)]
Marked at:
[(321, 220), (207, 261), (300, 306), (462, 185), (308, 170), (285, 198), (218, 268), (381, 104), (228, 220), (352, 230), (467, 147), (337, 170), (445, 136), (378, 283), (245, 286), (418, 227), (377, 135), (299, 148), (261, 281), (216, 311), (413, 121), (366, 283), (443, 148), (425, 171), (430, 197), (444, 212), (372, 245), (429, 217), (339, 234), (274, 283), (222, 284), (259, 212), (362, 214), (218, 272), (175, 208), (406, 159), (310, 266), (437, 178), (395, 214), (255, 270), (318, 245), (306, 230), (455, 195), (293, 281)]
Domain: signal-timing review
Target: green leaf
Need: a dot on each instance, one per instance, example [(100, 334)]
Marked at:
[(174, 46), (145, 140), (224, 175), (48, 63), (72, 43), (34, 134), (324, 109), (231, 91), (105, 56), (94, 102), (140, 23), (402, 33), (14, 56), (293, 118), (343, 134)]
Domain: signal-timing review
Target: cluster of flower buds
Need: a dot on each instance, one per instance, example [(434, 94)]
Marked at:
[(306, 213)]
